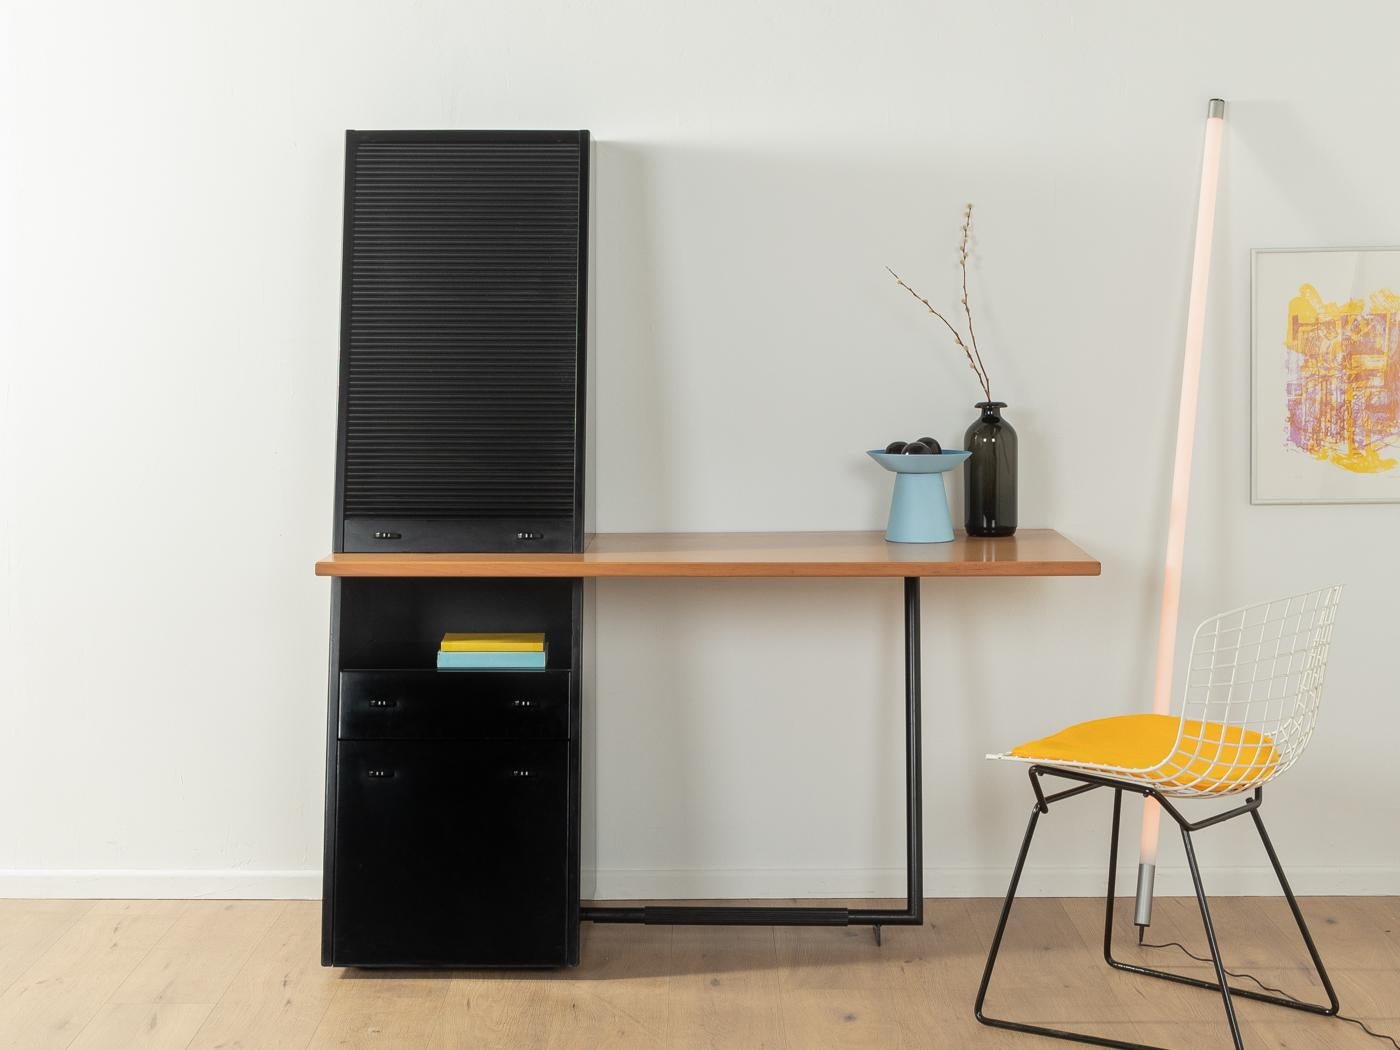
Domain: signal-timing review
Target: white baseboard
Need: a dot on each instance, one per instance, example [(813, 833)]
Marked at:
[(721, 884), (148, 884)]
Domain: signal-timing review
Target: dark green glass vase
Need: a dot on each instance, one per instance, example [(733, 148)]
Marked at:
[(989, 476)]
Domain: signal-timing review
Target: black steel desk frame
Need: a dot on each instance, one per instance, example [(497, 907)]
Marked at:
[(912, 914)]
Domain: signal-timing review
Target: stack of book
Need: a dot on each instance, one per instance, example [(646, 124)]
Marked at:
[(491, 652)]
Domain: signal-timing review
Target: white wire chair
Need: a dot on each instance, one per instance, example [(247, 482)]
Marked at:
[(1253, 687)]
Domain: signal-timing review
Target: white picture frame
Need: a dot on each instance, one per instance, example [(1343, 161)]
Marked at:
[(1320, 427)]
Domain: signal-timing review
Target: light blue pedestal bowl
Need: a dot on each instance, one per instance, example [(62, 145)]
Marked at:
[(919, 510)]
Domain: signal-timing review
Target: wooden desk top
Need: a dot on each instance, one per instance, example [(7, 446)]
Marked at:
[(1031, 552)]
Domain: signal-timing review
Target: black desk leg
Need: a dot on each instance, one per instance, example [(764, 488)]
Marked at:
[(912, 914)]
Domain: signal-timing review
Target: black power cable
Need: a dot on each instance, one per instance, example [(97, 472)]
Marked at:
[(1275, 991)]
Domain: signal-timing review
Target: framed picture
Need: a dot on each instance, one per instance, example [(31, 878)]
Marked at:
[(1326, 387)]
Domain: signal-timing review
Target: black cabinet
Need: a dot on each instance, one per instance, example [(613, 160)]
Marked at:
[(452, 797), (451, 853)]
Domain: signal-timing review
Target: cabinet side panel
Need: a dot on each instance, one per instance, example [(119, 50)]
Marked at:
[(587, 472), (332, 733), (582, 592)]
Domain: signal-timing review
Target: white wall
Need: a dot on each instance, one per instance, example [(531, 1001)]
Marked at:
[(171, 246)]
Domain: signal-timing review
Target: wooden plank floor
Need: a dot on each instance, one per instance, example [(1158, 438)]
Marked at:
[(244, 975)]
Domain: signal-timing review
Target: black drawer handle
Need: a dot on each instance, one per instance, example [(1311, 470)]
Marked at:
[(383, 705), (379, 774)]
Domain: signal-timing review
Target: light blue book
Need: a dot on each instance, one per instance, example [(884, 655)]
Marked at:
[(490, 661)]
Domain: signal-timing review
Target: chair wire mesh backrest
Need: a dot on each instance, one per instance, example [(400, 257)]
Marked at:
[(1252, 692)]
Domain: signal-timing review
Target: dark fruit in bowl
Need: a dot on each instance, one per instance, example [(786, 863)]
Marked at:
[(894, 448), (917, 448), (933, 446)]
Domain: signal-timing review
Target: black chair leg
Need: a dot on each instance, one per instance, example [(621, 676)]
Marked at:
[(1016, 1026), (1224, 984), (1220, 985), (1215, 986), (1001, 922), (1333, 1004)]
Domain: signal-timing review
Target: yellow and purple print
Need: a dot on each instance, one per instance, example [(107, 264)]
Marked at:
[(1343, 379)]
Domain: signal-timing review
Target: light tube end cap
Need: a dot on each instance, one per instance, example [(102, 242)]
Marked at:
[(1142, 912)]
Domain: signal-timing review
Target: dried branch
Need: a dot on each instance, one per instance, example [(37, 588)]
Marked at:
[(957, 336), (967, 310)]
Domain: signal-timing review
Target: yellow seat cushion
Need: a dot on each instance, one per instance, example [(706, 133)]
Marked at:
[(1211, 757)]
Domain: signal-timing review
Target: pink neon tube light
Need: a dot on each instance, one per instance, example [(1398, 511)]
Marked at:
[(1181, 483)]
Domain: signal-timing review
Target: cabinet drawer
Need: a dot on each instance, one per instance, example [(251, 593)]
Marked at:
[(436, 705), (451, 853)]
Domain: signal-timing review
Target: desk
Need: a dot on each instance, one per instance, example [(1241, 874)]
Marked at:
[(1031, 552)]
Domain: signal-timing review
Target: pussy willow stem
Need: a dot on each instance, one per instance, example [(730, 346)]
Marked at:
[(972, 332), (957, 337)]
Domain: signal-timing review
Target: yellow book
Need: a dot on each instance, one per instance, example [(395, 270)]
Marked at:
[(493, 643)]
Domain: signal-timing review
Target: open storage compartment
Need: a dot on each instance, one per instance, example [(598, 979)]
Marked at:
[(399, 623)]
